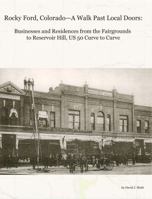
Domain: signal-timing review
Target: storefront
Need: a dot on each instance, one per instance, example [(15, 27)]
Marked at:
[(49, 148), (84, 147)]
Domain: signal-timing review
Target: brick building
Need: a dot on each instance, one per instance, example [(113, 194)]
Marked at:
[(72, 118)]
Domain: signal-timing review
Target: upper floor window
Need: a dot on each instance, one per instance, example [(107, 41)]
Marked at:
[(9, 113), (43, 118), (4, 116), (123, 123), (146, 126), (52, 119), (92, 121), (108, 123), (101, 120), (74, 119), (13, 116), (138, 125)]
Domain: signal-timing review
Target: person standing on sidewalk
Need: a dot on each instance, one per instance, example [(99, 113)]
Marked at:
[(33, 160), (71, 163)]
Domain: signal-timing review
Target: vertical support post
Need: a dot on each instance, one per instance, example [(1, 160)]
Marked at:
[(17, 144), (0, 141), (86, 107), (36, 125), (29, 85)]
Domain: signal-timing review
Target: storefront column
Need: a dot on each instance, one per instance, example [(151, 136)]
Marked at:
[(17, 142), (63, 143), (101, 144), (0, 141)]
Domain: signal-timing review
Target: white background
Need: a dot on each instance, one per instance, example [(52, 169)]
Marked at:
[(132, 51)]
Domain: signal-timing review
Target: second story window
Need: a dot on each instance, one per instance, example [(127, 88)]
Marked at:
[(138, 125), (74, 119), (123, 123), (146, 126), (101, 121), (92, 121), (13, 116), (9, 114), (108, 123), (4, 116), (52, 119), (43, 118)]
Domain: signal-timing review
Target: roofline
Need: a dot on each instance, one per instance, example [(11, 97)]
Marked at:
[(16, 87)]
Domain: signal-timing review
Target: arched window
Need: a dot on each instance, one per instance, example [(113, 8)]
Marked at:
[(92, 121), (101, 121), (108, 123)]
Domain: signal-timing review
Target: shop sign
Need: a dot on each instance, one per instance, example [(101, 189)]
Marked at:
[(42, 114), (6, 96)]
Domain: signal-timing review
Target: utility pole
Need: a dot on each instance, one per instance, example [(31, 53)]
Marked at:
[(30, 85)]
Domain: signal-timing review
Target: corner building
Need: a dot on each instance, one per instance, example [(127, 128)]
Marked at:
[(73, 119)]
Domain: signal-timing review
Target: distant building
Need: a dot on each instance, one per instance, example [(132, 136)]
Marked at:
[(72, 118)]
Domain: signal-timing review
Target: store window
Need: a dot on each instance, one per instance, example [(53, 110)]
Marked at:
[(138, 125), (108, 123), (146, 126), (92, 121), (52, 119), (123, 123), (74, 119), (101, 121), (43, 118)]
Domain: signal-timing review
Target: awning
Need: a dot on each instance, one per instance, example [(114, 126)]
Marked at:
[(148, 140), (119, 139), (107, 141)]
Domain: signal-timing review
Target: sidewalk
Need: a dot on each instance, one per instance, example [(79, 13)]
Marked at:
[(28, 170), (140, 164)]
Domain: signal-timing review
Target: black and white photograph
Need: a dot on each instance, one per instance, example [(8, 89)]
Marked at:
[(75, 121), (75, 99)]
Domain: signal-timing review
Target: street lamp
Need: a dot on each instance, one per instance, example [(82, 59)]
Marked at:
[(29, 86)]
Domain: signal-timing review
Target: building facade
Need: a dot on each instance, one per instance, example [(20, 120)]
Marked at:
[(72, 118)]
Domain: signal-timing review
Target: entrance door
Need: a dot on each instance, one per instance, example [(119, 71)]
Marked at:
[(9, 145), (139, 147), (54, 147)]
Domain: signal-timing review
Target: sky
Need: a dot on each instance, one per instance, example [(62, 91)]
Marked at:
[(136, 82)]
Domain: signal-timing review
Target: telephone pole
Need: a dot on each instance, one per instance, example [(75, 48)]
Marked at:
[(29, 84)]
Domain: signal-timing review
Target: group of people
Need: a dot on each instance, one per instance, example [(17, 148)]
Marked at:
[(9, 161), (124, 158), (81, 161), (71, 160), (68, 160)]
